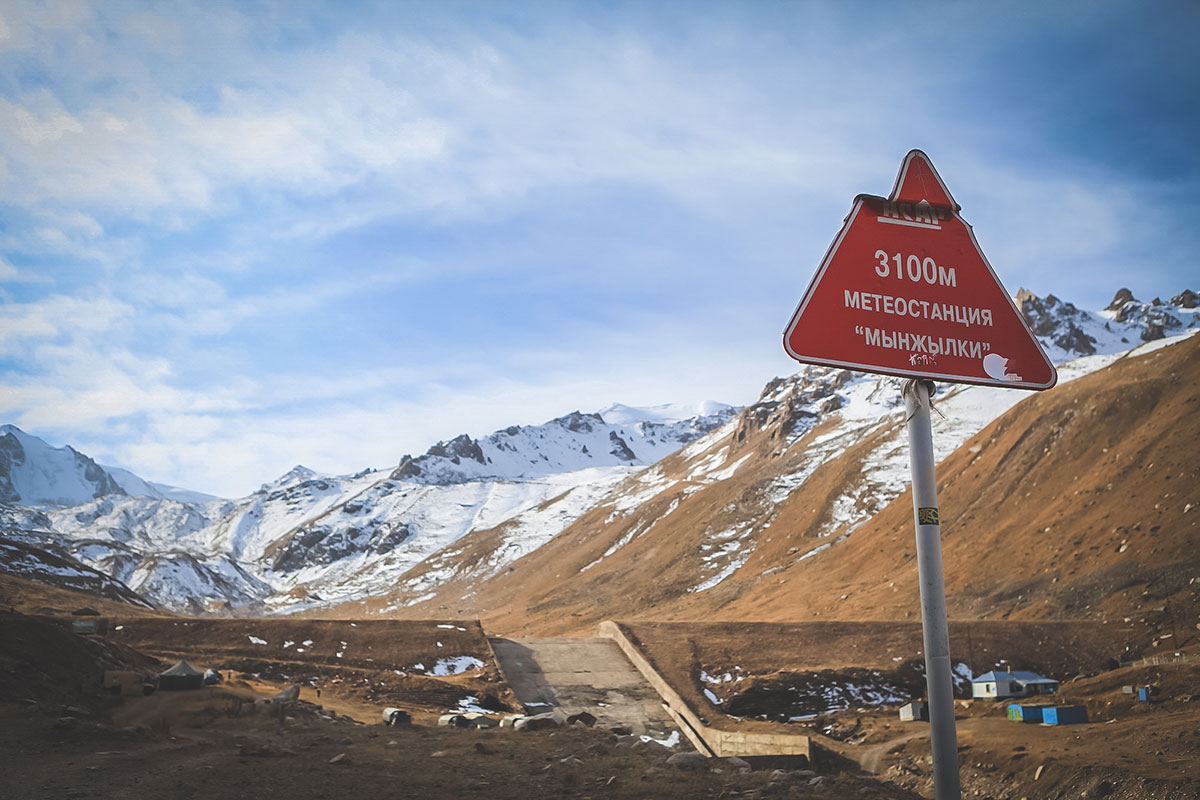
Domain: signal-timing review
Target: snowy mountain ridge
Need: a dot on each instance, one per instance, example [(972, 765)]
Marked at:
[(468, 507), (305, 538), (569, 443)]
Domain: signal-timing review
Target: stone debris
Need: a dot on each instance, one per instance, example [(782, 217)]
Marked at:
[(471, 719), (690, 761), (340, 758), (582, 718), (542, 722), (289, 695), (396, 716)]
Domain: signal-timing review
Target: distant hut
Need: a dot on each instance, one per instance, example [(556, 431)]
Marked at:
[(916, 711), (998, 684), (181, 676)]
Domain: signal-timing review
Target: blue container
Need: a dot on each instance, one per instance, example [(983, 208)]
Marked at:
[(1018, 713), (1064, 715), (1144, 694)]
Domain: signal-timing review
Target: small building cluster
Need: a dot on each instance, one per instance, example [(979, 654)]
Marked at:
[(1048, 715)]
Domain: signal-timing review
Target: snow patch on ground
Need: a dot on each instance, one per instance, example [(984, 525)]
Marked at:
[(456, 665)]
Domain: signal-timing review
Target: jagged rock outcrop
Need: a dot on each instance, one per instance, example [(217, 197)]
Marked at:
[(790, 407), (1057, 321), (620, 449), (460, 447), (1156, 318), (322, 544), (1186, 299)]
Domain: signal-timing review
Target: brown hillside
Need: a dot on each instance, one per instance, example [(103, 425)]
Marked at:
[(1079, 503), (27, 596)]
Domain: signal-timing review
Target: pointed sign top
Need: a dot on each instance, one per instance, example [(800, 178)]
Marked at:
[(905, 290), (919, 182)]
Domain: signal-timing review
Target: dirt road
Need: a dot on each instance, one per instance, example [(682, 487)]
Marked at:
[(590, 675), (869, 757)]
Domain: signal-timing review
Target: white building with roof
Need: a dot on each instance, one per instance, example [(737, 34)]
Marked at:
[(997, 684)]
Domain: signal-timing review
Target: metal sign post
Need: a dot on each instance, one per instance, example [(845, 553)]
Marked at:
[(938, 676), (906, 290)]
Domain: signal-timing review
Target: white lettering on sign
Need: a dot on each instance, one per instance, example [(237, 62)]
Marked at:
[(920, 343), (915, 269), (915, 215), (918, 309)]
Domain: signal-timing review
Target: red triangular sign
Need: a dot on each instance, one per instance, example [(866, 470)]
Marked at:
[(905, 290)]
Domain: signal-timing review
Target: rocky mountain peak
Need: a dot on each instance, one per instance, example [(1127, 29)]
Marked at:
[(33, 473), (1186, 299), (789, 407), (1156, 318), (1122, 297), (1069, 332), (1057, 321), (579, 422), (458, 448)]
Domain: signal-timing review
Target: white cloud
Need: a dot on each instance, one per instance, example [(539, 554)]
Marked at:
[(178, 176)]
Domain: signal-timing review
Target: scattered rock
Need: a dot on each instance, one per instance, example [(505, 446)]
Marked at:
[(1037, 773), (288, 695), (340, 758), (541, 722), (1186, 299), (737, 763), (396, 716), (474, 719), (691, 761), (582, 718), (622, 730)]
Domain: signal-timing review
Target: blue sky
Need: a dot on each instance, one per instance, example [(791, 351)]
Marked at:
[(236, 237)]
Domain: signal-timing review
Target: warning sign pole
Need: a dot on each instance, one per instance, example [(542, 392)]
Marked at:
[(938, 678)]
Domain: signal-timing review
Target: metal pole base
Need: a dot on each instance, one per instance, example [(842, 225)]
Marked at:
[(938, 675)]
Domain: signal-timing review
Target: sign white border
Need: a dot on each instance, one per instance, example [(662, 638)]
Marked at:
[(904, 373)]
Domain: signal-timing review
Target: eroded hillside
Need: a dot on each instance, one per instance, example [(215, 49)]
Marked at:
[(1078, 503)]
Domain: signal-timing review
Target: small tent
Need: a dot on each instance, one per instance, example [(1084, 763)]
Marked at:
[(181, 676)]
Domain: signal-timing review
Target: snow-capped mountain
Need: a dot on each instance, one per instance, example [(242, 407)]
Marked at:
[(36, 474), (620, 414), (816, 457), (137, 487), (436, 528), (305, 539), (1066, 331), (626, 437), (33, 473)]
